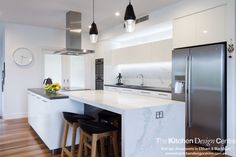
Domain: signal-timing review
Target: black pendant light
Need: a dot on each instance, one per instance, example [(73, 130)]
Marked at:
[(93, 33), (129, 18)]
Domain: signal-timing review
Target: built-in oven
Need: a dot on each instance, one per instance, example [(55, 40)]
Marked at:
[(99, 72)]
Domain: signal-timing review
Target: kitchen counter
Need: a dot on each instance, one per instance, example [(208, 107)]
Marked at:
[(43, 93), (149, 88), (117, 102), (148, 123)]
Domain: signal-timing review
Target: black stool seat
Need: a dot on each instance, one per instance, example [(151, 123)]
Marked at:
[(92, 127), (107, 115), (74, 117)]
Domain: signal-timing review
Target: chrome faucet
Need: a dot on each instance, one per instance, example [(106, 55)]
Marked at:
[(142, 79)]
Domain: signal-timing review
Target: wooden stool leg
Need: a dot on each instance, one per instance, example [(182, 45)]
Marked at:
[(115, 143), (108, 141), (85, 147), (81, 144), (94, 145), (66, 128), (102, 147), (74, 130)]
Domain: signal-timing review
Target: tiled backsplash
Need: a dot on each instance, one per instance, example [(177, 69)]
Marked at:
[(155, 74)]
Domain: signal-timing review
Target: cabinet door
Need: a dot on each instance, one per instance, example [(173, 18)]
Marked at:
[(52, 67), (65, 67), (159, 51), (210, 26), (201, 28), (184, 31), (30, 108)]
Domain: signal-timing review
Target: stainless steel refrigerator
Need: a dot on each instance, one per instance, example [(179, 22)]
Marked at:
[(199, 79)]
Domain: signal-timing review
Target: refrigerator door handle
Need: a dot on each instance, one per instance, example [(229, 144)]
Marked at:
[(189, 91), (186, 88)]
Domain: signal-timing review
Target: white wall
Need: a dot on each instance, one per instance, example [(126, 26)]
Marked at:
[(19, 79), (1, 63)]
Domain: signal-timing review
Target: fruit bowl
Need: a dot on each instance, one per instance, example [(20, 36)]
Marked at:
[(52, 88)]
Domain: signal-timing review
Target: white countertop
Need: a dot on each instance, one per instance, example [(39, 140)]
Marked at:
[(117, 102)]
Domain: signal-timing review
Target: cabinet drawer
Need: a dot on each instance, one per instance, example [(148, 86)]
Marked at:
[(110, 88), (127, 90), (163, 95)]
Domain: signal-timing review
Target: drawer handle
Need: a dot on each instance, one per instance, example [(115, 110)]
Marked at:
[(146, 92), (162, 94), (44, 101)]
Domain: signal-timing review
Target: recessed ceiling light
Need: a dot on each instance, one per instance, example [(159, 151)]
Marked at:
[(204, 31), (117, 13)]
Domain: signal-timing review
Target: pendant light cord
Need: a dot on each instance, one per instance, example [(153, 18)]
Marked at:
[(93, 10)]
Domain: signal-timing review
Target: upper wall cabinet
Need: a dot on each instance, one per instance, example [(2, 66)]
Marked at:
[(152, 52), (201, 28)]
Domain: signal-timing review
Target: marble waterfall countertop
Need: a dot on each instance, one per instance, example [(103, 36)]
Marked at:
[(145, 120), (117, 102)]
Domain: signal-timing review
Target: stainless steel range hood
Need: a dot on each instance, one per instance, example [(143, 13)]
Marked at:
[(73, 36)]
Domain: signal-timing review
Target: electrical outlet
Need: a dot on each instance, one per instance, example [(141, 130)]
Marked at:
[(159, 114)]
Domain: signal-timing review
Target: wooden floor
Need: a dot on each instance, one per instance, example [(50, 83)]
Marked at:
[(18, 140)]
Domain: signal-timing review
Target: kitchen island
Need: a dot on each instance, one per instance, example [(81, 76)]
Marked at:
[(151, 127)]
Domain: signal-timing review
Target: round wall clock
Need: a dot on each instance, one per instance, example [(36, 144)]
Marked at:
[(23, 56)]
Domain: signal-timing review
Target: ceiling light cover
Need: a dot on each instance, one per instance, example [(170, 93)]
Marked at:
[(129, 18), (130, 25)]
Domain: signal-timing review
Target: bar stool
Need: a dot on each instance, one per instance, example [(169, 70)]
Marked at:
[(91, 132), (112, 119), (71, 120)]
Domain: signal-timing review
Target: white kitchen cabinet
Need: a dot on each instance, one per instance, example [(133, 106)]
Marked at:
[(52, 67), (210, 26), (71, 71), (157, 94), (200, 28), (114, 89), (127, 90), (65, 73), (45, 117), (160, 51), (184, 31)]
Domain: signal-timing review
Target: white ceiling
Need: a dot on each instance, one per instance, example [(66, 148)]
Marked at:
[(51, 13)]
